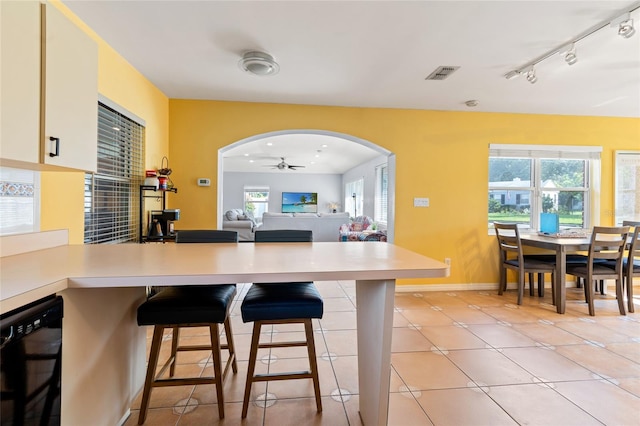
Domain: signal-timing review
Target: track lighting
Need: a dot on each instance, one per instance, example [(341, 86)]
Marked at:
[(531, 76), (623, 22), (570, 55), (626, 29)]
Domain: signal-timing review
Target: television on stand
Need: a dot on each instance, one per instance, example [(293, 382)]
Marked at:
[(299, 202)]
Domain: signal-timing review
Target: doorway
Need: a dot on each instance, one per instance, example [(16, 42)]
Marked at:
[(344, 138)]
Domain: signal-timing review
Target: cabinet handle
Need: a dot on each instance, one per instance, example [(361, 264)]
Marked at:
[(57, 151)]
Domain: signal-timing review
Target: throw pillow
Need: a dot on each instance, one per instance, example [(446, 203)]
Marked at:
[(231, 214)]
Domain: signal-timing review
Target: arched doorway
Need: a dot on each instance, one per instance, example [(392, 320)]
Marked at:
[(391, 166)]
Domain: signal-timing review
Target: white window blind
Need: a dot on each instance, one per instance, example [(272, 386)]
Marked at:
[(111, 206), (545, 151), (381, 197)]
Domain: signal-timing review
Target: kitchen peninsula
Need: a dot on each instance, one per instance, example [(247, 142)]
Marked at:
[(104, 349)]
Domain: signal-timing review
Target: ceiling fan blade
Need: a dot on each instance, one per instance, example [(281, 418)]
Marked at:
[(293, 167)]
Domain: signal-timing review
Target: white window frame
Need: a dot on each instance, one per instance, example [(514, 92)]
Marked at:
[(381, 194), (354, 192), (264, 202), (627, 188), (537, 153)]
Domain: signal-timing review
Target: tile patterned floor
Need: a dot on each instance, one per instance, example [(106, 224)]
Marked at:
[(458, 358)]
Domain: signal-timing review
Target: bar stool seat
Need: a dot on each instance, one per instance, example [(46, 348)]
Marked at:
[(191, 306), (282, 303)]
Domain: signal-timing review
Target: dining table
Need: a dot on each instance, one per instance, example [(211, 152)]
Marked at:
[(561, 246), (93, 279)]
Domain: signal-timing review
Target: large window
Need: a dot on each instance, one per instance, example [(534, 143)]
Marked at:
[(627, 186), (111, 201), (353, 194), (256, 200), (382, 185), (526, 180)]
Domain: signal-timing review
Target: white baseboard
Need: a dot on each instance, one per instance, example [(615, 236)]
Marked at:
[(125, 417), (465, 286)]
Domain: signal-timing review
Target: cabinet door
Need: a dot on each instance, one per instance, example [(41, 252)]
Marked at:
[(70, 93), (20, 81)]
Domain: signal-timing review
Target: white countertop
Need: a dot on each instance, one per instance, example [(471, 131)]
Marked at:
[(29, 276)]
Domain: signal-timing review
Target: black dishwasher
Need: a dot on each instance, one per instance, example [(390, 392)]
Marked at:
[(30, 363)]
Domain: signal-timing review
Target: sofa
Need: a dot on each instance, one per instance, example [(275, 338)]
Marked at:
[(240, 221), (325, 226)]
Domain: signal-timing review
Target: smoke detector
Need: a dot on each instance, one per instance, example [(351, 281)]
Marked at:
[(259, 63)]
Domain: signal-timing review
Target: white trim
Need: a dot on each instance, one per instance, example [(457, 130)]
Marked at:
[(462, 286), (545, 151), (114, 106)]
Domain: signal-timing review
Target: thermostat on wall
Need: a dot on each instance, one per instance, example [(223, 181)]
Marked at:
[(204, 182)]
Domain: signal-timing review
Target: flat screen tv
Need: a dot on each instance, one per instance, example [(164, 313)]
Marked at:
[(299, 202)]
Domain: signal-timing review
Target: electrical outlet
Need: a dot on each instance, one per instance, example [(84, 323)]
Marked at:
[(447, 260)]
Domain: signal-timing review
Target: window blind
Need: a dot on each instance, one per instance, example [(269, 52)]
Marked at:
[(381, 197), (111, 196), (545, 151)]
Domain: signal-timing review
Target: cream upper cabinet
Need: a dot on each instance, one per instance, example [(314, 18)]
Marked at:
[(70, 93), (20, 81), (49, 89)]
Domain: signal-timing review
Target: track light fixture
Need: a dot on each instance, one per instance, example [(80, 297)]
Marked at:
[(570, 54), (531, 76), (626, 29), (622, 22)]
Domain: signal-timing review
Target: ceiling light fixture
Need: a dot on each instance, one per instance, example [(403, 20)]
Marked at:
[(531, 76), (259, 63), (570, 54), (622, 21), (626, 29)]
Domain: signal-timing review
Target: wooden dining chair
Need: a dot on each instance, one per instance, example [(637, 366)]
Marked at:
[(607, 244), (631, 262), (512, 257)]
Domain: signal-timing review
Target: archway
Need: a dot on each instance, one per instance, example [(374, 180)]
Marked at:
[(391, 167)]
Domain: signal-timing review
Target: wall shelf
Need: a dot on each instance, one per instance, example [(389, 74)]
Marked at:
[(150, 191)]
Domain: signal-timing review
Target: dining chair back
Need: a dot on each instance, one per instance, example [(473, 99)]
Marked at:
[(604, 262), (512, 257), (282, 303), (630, 263), (189, 306)]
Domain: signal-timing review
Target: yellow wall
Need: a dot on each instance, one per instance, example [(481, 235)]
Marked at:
[(440, 155), (62, 193)]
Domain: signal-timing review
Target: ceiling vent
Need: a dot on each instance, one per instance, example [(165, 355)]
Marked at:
[(441, 73)]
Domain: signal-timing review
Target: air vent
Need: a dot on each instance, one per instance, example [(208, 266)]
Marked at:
[(441, 72)]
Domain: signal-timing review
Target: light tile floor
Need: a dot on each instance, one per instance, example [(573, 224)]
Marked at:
[(458, 358)]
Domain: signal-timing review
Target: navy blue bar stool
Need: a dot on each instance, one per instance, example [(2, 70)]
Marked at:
[(282, 303), (190, 306)]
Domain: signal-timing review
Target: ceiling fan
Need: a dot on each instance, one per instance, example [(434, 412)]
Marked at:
[(282, 165)]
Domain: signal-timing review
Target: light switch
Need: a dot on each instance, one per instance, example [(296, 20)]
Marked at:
[(420, 202)]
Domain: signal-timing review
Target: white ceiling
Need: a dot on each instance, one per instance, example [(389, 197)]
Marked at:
[(377, 54)]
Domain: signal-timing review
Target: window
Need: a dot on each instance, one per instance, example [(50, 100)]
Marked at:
[(526, 180), (256, 200), (627, 186), (353, 194), (382, 177), (111, 200)]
